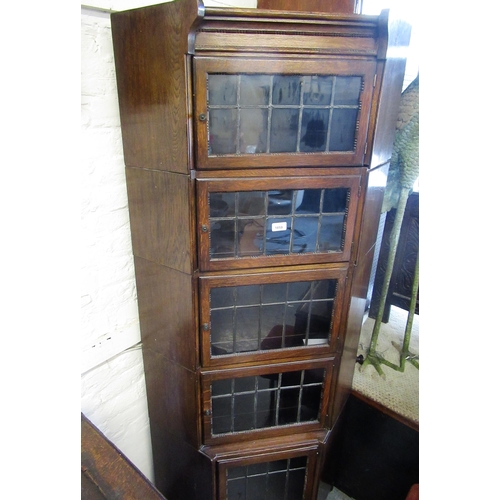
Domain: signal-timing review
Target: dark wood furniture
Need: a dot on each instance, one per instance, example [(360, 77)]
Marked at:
[(403, 274), (257, 145)]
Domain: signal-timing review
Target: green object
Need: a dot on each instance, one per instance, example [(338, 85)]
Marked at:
[(403, 173)]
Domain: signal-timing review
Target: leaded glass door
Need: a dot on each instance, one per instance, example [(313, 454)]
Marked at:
[(286, 475), (267, 401), (270, 316), (261, 113), (245, 223)]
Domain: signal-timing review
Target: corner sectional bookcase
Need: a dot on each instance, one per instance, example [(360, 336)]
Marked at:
[(257, 145)]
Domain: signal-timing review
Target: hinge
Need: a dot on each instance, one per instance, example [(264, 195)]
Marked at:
[(374, 79), (366, 147)]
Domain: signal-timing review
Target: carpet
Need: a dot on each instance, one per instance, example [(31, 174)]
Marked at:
[(397, 391)]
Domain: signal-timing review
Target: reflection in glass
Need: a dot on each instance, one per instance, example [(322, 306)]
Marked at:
[(255, 89), (347, 90), (277, 222), (265, 401), (314, 130), (318, 90), (266, 113), (224, 129), (286, 90), (253, 130), (251, 318), (284, 130), (343, 130), (222, 89), (284, 479)]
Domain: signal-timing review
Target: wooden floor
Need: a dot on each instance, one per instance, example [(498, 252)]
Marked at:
[(377, 457)]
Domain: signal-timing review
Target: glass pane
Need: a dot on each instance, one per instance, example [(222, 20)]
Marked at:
[(314, 129), (317, 90), (310, 201), (236, 489), (321, 290), (335, 200), (244, 413), (297, 479), (314, 325), (222, 89), (257, 485), (221, 420), (266, 401), (247, 334), (331, 235), (258, 468), (255, 89), (310, 404), (251, 234), (235, 472), (278, 232), (221, 204), (251, 202), (222, 243), (343, 129), (279, 479), (222, 297), (277, 485), (222, 335), (274, 292), (298, 463), (284, 130), (280, 202), (253, 130), (286, 90), (220, 387), (223, 131), (247, 295), (278, 466), (347, 90), (305, 234), (292, 221), (297, 290), (253, 114), (288, 405), (270, 316)]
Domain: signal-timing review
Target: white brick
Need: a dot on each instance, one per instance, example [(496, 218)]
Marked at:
[(114, 400)]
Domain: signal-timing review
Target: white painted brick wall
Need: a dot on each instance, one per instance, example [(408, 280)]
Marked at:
[(114, 399), (109, 306), (112, 384)]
